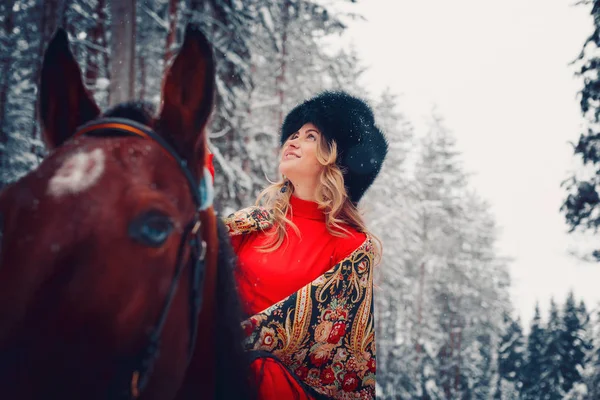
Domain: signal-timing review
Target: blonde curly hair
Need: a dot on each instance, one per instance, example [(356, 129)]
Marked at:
[(331, 197)]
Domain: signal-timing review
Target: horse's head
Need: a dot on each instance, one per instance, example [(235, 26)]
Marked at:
[(93, 239)]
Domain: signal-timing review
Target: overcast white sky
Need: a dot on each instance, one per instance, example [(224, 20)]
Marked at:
[(499, 73)]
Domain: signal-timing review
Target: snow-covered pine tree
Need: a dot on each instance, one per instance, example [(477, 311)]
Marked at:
[(534, 367), (28, 26), (481, 280), (254, 73), (479, 372), (230, 26), (122, 51), (269, 57), (86, 23), (574, 342), (511, 359), (153, 50), (7, 60), (439, 180), (553, 356), (582, 205), (463, 291), (591, 373), (389, 212)]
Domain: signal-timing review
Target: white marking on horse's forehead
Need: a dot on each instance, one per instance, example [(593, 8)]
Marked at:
[(78, 173)]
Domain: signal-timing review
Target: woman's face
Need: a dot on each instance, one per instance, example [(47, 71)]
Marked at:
[(299, 154)]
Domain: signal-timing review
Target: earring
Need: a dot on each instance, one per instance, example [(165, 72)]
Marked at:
[(284, 188)]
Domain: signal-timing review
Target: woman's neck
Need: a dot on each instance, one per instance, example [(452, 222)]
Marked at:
[(305, 191)]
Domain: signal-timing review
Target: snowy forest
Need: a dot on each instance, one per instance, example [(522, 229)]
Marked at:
[(446, 328)]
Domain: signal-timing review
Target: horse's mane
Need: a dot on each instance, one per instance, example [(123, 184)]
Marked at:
[(138, 111), (232, 362)]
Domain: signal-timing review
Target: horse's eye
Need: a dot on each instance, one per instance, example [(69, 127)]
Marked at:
[(151, 228)]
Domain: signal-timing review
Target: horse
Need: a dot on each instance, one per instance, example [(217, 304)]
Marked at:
[(115, 281)]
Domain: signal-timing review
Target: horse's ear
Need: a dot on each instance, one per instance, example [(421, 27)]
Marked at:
[(187, 97), (64, 102)]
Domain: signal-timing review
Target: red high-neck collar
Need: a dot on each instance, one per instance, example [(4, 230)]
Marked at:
[(305, 209)]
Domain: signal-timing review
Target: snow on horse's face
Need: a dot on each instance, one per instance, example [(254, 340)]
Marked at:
[(90, 238)]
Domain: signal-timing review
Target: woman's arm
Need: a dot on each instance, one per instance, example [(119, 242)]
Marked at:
[(245, 221)]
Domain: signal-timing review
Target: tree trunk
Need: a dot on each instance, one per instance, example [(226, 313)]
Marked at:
[(48, 21), (420, 309), (458, 359), (6, 62), (280, 82), (172, 33), (69, 25), (143, 76), (48, 18), (122, 46), (97, 37)]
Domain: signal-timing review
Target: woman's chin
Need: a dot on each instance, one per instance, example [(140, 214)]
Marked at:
[(287, 166)]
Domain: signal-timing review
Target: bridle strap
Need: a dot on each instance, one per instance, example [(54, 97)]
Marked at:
[(151, 352), (111, 127), (140, 369)]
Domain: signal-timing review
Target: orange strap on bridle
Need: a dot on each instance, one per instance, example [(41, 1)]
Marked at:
[(118, 126), (208, 164)]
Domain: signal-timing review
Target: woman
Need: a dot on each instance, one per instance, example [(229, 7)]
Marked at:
[(306, 257)]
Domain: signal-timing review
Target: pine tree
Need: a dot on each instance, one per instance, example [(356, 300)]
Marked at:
[(439, 179), (582, 205), (534, 367), (272, 57), (511, 359), (553, 357), (481, 382), (592, 370), (574, 344), (28, 25), (398, 128), (7, 59), (459, 287), (390, 200), (122, 47)]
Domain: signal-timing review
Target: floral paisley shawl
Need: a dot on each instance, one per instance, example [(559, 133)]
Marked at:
[(324, 332)]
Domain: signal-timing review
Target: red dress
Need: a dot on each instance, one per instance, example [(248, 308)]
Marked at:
[(266, 278)]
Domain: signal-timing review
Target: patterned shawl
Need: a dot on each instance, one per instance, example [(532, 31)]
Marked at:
[(324, 332)]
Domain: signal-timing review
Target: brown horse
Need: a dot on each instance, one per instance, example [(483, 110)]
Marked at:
[(114, 282)]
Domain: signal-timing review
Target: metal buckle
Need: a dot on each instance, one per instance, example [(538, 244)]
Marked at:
[(202, 251), (135, 381), (196, 227)]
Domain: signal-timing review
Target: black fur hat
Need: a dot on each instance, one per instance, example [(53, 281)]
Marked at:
[(349, 122)]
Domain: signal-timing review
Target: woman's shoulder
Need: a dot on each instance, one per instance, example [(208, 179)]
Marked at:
[(249, 219), (350, 242)]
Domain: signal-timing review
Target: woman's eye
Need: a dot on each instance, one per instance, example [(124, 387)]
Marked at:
[(151, 228), (311, 136)]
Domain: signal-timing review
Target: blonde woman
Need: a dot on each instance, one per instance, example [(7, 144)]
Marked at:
[(305, 256)]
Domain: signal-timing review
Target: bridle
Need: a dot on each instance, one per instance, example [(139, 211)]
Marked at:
[(129, 383)]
